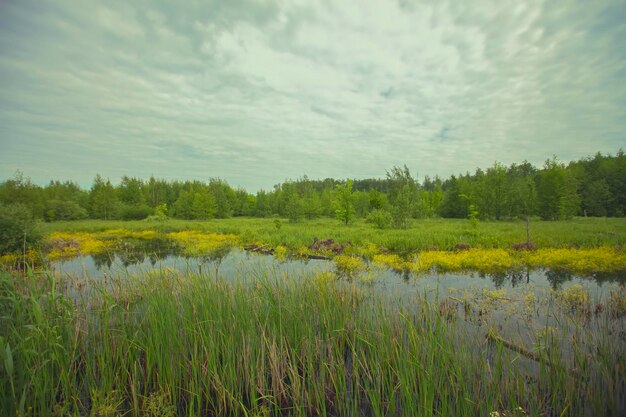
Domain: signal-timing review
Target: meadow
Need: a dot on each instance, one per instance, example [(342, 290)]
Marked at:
[(443, 234)]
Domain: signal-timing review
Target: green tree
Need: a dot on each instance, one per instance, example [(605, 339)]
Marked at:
[(404, 196), (225, 198), (182, 208), (197, 203), (130, 191), (523, 197), (597, 198), (557, 191), (133, 203), (493, 192), (66, 191), (203, 206), (244, 203), (432, 201), (262, 205), (294, 208), (361, 202), (64, 210), (20, 190), (312, 206), (103, 202), (549, 184), (326, 202), (160, 211), (157, 191), (401, 207), (454, 205), (344, 204), (17, 228), (377, 200), (380, 218)]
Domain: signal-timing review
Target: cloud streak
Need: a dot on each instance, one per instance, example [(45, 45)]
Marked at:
[(256, 92)]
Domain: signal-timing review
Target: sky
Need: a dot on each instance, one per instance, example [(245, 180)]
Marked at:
[(256, 92)]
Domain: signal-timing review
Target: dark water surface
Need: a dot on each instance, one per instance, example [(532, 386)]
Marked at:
[(238, 264)]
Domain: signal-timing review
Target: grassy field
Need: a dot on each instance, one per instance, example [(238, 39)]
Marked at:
[(164, 344), (443, 234)]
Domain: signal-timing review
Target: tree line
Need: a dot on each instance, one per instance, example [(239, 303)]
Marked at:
[(593, 186)]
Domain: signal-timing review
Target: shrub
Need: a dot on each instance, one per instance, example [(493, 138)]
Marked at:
[(348, 265), (294, 209), (64, 210), (380, 218), (135, 212), (17, 228)]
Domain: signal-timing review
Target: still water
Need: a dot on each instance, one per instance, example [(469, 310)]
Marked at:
[(237, 264), (479, 301)]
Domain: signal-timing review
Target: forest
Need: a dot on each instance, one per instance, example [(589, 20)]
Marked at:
[(592, 186)]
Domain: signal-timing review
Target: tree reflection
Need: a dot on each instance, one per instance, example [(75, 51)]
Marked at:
[(103, 260), (514, 277), (214, 258), (136, 251)]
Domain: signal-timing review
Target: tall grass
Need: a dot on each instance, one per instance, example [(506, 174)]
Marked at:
[(166, 344)]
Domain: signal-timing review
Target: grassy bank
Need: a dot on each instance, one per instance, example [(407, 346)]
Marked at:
[(443, 234), (582, 246), (165, 345)]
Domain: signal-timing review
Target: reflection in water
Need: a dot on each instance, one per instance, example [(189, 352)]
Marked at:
[(136, 251), (136, 257), (215, 258), (103, 260), (154, 252), (557, 277), (609, 277), (512, 278)]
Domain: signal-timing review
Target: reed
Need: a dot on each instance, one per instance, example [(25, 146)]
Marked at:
[(166, 344)]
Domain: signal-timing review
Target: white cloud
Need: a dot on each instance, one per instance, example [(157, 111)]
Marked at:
[(256, 92)]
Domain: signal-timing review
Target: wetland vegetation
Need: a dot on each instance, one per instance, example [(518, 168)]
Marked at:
[(318, 298), (166, 343)]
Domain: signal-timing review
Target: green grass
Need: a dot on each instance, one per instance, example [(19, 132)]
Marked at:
[(167, 344), (422, 234)]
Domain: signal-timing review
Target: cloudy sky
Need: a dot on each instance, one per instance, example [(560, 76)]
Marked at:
[(259, 91)]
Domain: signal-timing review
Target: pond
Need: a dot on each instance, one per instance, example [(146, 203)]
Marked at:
[(521, 305), (235, 263)]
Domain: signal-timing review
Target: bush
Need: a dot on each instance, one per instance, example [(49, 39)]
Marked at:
[(156, 218), (380, 218), (64, 210), (17, 228), (135, 212)]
